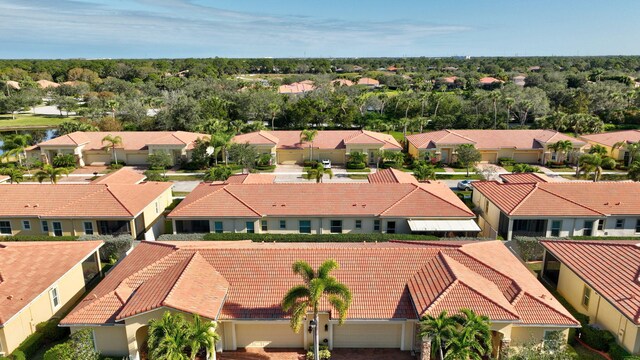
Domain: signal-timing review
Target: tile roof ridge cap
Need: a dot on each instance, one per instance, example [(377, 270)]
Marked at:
[(151, 265), (91, 300), (220, 186), (566, 199), (460, 135), (401, 199), (118, 200), (535, 298), (241, 201), (464, 209), (490, 267), (533, 189)]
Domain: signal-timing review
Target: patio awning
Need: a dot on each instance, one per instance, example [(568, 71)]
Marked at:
[(443, 225)]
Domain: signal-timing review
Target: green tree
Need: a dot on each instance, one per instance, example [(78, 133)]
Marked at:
[(440, 330), (218, 173), (221, 142), (16, 144), (50, 173), (68, 127), (301, 299), (598, 149), (308, 136), (475, 330), (424, 171), (633, 149), (112, 143), (468, 155), (561, 147), (634, 171), (15, 175), (78, 347), (318, 173), (159, 160), (593, 163), (244, 155), (357, 157), (202, 335), (168, 337)]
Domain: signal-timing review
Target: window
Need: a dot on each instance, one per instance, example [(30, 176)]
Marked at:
[(586, 296), (88, 227), (5, 227), (26, 225), (250, 227), (556, 225), (358, 224), (336, 226), (391, 227), (601, 224), (217, 227), (264, 225), (45, 226), (55, 299), (57, 228), (304, 226), (638, 226), (620, 224), (283, 224), (587, 229), (376, 225)]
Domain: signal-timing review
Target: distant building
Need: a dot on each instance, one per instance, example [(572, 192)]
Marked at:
[(369, 82), (297, 87)]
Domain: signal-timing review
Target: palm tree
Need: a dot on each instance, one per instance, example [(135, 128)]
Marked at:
[(317, 285), (439, 329), (463, 348), (495, 96), (598, 149), (112, 141), (308, 135), (423, 171), (357, 157), (475, 330), (168, 337), (202, 335), (561, 147), (15, 175), (17, 144), (594, 163), (50, 173), (318, 173), (218, 173), (222, 141), (113, 105), (274, 109)]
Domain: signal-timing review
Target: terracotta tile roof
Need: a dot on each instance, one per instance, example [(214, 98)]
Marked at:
[(78, 200), (4, 178), (563, 198), (491, 139), (386, 280), (610, 138), (326, 139), (368, 81), (43, 84), (391, 176), (21, 281), (131, 140), (611, 268), (522, 178), (122, 176), (489, 80), (342, 82), (251, 179), (328, 199), (297, 87)]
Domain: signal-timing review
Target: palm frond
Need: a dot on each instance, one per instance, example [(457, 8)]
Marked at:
[(303, 269), (326, 267), (295, 294)]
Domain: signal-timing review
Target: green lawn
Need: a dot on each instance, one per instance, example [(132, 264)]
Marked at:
[(586, 354), (358, 176), (35, 121), (365, 170)]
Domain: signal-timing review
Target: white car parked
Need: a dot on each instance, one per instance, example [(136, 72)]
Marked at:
[(326, 164)]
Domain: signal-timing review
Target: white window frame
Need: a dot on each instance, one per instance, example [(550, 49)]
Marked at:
[(56, 297), (26, 224), (584, 296), (44, 225), (54, 228)]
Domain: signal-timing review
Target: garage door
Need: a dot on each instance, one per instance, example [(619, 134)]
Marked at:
[(367, 335), (275, 335), (489, 157), (98, 158), (336, 157), (526, 157), (137, 159), (291, 156)]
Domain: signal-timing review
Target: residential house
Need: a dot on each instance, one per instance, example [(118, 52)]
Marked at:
[(600, 280), (324, 208), (297, 87), (335, 145), (39, 281), (558, 209), (241, 284), (342, 82), (84, 209), (88, 148), (610, 139), (368, 82), (523, 146), (520, 80), (45, 84), (391, 176), (4, 179)]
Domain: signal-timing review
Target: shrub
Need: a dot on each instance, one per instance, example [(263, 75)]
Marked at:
[(51, 332), (596, 338), (524, 168), (18, 355), (529, 249), (115, 247), (154, 175), (324, 354), (59, 352), (617, 352), (192, 165), (356, 166), (64, 160), (265, 167), (117, 166), (308, 163), (30, 345), (159, 160), (505, 161), (556, 164)]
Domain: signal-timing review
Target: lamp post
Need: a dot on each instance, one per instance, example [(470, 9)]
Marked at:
[(313, 324)]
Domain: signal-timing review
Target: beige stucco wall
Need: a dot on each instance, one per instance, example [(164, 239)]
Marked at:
[(599, 310), (413, 151), (270, 334), (522, 335), (70, 288), (368, 334), (70, 227), (150, 215), (109, 340)]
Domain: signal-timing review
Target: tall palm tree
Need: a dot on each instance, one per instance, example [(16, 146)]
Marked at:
[(15, 175), (17, 144), (319, 284), (222, 141), (594, 163), (112, 141), (202, 335), (308, 135), (318, 173), (475, 330), (440, 329), (495, 96), (168, 337), (50, 173), (561, 147), (274, 109)]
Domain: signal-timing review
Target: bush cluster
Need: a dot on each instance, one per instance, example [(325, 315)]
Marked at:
[(37, 238), (114, 248), (504, 161), (356, 166), (64, 161)]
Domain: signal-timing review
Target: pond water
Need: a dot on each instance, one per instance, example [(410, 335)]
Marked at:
[(37, 136)]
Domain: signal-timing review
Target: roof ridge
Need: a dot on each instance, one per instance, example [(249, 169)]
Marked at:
[(400, 200), (460, 135), (571, 201), (118, 200), (175, 283), (535, 186), (466, 209), (221, 186), (241, 201), (545, 304)]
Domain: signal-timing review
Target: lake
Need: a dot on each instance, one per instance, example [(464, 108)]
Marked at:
[(38, 136)]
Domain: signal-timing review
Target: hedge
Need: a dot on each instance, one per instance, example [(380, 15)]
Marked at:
[(51, 332), (598, 339), (38, 238), (617, 352), (377, 237), (31, 345), (529, 248), (114, 248)]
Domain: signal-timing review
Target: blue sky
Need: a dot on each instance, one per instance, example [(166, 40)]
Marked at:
[(321, 28)]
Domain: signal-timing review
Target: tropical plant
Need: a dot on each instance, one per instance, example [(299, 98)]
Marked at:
[(68, 127), (64, 160), (159, 160), (593, 163), (468, 155), (318, 173), (524, 168), (396, 157), (308, 135), (264, 160), (50, 173), (424, 171), (244, 155), (221, 142), (440, 330), (634, 171), (173, 338), (112, 142), (301, 299), (598, 149), (202, 335), (475, 331), (633, 149), (16, 145), (561, 148), (218, 173), (357, 157), (15, 175)]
